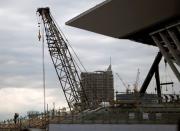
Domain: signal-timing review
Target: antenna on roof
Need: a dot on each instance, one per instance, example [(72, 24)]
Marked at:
[(110, 60), (109, 68)]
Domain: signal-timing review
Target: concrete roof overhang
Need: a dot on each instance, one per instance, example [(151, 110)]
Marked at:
[(128, 19)]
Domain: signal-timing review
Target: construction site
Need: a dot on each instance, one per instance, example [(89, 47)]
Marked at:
[(93, 102)]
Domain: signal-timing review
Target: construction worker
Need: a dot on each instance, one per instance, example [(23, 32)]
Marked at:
[(16, 115)]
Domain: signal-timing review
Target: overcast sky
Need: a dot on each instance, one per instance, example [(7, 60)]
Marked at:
[(21, 58)]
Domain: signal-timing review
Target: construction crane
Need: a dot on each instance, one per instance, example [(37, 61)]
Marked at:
[(63, 62), (136, 82), (126, 86)]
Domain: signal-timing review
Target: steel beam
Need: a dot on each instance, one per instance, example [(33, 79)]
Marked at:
[(158, 83), (167, 57), (150, 74)]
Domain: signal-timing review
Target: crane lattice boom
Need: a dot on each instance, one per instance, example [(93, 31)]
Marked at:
[(126, 86), (63, 62)]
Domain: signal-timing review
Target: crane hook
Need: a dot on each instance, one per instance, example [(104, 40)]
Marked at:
[(39, 36), (39, 33)]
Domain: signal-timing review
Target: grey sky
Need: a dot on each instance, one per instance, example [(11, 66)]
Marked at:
[(20, 54)]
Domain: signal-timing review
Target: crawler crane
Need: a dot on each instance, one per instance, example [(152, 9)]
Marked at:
[(64, 63)]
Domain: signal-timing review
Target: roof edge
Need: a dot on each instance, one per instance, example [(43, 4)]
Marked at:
[(86, 12)]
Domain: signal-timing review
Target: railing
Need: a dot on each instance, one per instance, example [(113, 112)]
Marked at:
[(166, 114)]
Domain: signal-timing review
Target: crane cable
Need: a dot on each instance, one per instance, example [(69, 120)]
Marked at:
[(41, 35), (168, 75), (165, 70), (43, 65)]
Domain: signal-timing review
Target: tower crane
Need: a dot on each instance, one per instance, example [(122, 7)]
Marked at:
[(126, 86), (63, 62)]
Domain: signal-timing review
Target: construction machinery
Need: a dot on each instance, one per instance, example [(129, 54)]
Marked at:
[(64, 63), (125, 85)]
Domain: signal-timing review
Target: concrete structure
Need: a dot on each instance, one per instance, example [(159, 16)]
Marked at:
[(98, 86), (151, 22), (129, 19), (110, 127), (147, 99)]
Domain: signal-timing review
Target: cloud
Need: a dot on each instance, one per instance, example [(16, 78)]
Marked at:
[(23, 100), (21, 54)]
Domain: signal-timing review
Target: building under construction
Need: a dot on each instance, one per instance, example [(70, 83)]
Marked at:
[(154, 22), (98, 86)]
